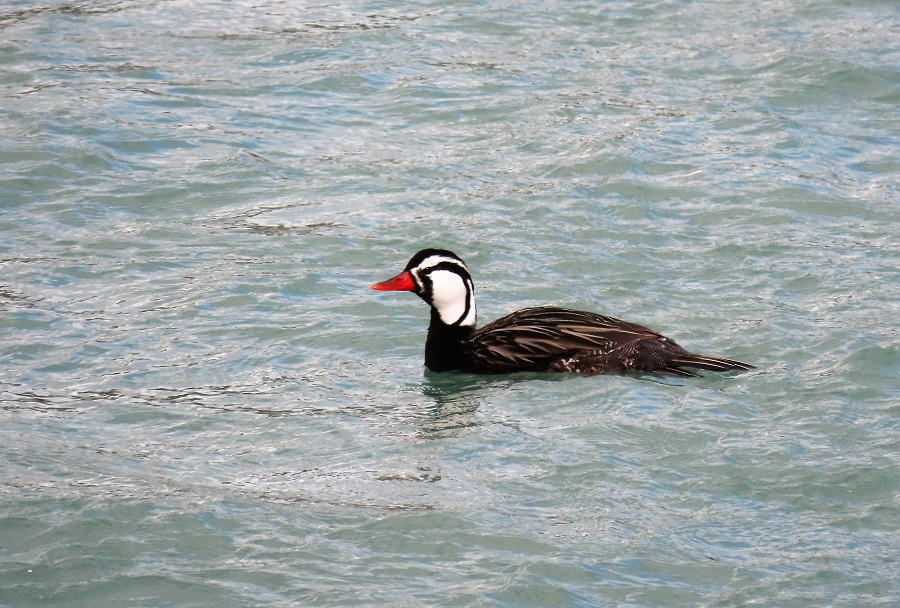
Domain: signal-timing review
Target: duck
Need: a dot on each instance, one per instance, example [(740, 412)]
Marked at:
[(539, 339)]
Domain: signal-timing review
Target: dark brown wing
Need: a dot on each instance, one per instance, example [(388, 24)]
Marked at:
[(536, 338)]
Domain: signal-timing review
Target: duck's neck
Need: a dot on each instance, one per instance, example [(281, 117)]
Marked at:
[(445, 346)]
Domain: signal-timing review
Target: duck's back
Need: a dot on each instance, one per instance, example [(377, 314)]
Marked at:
[(555, 339)]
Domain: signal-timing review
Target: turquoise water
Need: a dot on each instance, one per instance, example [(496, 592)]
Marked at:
[(203, 404)]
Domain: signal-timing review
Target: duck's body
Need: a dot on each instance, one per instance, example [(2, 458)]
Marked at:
[(543, 339)]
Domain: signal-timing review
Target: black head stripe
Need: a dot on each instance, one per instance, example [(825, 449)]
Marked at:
[(452, 267), (427, 253)]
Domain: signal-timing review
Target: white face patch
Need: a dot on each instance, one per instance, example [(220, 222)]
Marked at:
[(452, 297)]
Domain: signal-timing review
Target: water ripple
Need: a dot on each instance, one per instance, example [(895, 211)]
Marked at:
[(202, 403)]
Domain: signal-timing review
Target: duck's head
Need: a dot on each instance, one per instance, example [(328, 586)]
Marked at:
[(440, 278)]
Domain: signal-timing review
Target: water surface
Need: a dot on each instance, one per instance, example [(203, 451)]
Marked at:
[(203, 404)]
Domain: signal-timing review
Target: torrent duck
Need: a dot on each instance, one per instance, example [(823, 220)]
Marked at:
[(542, 339)]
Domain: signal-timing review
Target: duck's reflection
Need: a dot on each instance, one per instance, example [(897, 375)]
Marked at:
[(457, 398)]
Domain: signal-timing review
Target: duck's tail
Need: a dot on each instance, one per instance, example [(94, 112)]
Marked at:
[(713, 364)]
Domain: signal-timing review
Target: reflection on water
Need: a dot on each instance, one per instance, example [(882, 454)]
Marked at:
[(457, 398)]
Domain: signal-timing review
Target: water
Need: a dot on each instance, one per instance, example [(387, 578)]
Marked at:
[(204, 405)]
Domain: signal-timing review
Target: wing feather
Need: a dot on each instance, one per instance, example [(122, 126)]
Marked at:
[(535, 336)]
